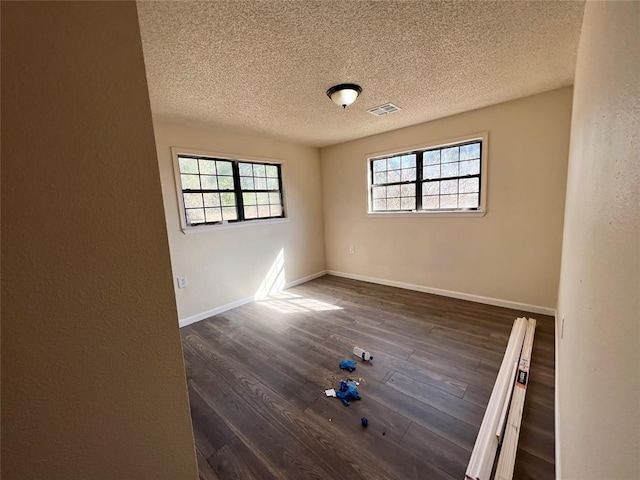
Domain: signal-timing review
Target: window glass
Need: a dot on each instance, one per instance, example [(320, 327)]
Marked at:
[(217, 190), (440, 178)]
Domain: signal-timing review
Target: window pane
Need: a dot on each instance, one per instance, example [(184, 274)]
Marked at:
[(468, 152), (380, 177), (276, 210), (379, 165), (379, 192), (408, 203), (224, 168), (213, 214), (408, 190), (259, 170), (449, 170), (211, 199), (449, 186), (272, 171), (190, 182), (468, 200), (261, 183), (450, 179), (430, 203), (431, 188), (379, 204), (207, 167), (393, 204), (229, 213), (431, 158), (246, 183), (409, 175), (208, 182), (188, 165), (409, 161), (192, 200), (250, 211), (448, 201), (393, 191), (432, 171), (274, 198), (393, 176), (471, 167), (225, 183), (246, 169), (214, 180), (393, 163), (195, 215), (469, 185), (227, 199), (249, 198), (263, 211), (450, 154)]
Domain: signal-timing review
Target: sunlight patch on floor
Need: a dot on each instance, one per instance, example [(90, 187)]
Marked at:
[(270, 294), (285, 302)]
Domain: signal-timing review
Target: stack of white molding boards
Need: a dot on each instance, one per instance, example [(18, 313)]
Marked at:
[(505, 407)]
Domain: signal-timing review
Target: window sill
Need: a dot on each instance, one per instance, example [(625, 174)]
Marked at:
[(228, 226), (450, 214)]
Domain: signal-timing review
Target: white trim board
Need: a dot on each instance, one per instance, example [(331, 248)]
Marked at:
[(449, 293), (308, 278), (243, 301)]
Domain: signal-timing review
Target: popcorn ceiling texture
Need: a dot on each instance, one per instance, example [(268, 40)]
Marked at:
[(263, 67)]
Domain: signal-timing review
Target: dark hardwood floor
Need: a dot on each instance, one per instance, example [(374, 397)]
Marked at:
[(257, 376)]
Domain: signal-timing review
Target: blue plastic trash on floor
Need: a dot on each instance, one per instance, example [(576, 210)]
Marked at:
[(347, 391), (348, 365)]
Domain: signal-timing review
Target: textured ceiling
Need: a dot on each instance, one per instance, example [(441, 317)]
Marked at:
[(262, 67)]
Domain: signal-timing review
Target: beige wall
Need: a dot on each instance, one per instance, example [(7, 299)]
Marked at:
[(230, 264), (599, 353), (512, 253), (92, 374)]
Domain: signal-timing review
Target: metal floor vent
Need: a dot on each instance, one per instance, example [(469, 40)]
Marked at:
[(384, 109)]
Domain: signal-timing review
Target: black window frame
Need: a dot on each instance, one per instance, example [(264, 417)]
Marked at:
[(419, 179), (237, 189)]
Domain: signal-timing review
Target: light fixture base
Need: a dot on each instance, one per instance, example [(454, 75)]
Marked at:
[(344, 94)]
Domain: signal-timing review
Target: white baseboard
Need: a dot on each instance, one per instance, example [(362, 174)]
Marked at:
[(449, 293), (308, 278), (243, 301), (214, 311)]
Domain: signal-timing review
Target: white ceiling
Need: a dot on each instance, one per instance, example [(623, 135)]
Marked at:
[(262, 67)]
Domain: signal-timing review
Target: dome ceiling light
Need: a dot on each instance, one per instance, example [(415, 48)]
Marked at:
[(344, 94)]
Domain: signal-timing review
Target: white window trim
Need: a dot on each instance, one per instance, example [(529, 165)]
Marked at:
[(482, 209), (189, 229)]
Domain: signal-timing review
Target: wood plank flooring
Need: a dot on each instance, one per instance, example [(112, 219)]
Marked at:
[(257, 376)]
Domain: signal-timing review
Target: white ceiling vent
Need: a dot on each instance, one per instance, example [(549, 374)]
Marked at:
[(384, 109)]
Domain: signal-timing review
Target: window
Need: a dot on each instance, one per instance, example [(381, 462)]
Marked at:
[(445, 178), (214, 191)]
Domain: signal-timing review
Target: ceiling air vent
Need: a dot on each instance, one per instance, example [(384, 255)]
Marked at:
[(383, 109)]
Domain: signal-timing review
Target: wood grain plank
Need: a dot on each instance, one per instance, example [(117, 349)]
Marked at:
[(236, 460), (436, 450), (210, 432), (447, 403), (205, 471)]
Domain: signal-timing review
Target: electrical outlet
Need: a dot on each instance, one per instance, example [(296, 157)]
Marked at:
[(352, 249), (182, 282)]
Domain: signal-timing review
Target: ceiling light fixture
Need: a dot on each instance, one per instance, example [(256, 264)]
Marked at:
[(344, 94)]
